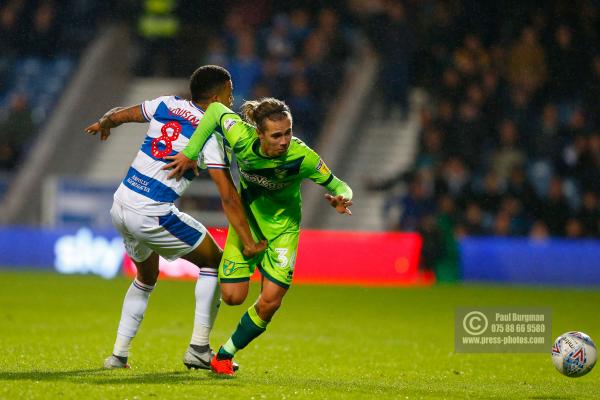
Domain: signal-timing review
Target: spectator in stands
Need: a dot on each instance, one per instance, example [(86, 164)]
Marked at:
[(158, 26), (415, 205), (519, 187), (547, 140), (592, 91), (539, 231), (589, 214), (576, 157), (8, 156), (473, 220), (299, 27), (450, 86), (574, 228), (433, 242), (555, 208), (272, 77), (314, 54), (278, 42), (393, 38), (15, 131), (44, 33), (470, 131), (489, 196), (216, 52), (526, 64), (455, 177), (471, 58), (245, 67), (502, 224), (303, 105), (431, 154), (508, 154), (444, 119), (10, 28), (493, 89), (567, 65), (18, 127), (336, 49), (519, 221)]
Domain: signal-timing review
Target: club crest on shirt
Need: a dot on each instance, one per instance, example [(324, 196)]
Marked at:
[(229, 123), (322, 168), (280, 173), (228, 267)]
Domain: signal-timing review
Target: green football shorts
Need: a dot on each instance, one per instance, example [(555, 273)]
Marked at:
[(276, 263)]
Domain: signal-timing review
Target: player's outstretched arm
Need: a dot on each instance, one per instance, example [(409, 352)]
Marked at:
[(341, 199), (234, 210), (341, 194), (113, 118), (341, 204)]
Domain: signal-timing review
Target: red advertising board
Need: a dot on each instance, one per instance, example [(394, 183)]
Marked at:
[(335, 257)]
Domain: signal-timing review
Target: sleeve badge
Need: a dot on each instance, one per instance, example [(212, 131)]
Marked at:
[(322, 168)]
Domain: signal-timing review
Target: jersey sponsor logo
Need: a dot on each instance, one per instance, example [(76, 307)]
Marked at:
[(263, 181), (138, 183), (322, 168), (185, 114), (278, 172), (229, 123)]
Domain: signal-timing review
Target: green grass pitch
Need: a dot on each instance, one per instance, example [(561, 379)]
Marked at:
[(324, 343)]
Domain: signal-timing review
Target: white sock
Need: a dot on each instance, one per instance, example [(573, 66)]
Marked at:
[(134, 307), (208, 299)]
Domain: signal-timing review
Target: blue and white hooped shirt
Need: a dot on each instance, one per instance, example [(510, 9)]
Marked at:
[(146, 188)]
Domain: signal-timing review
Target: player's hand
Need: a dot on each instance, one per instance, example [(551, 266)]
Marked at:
[(95, 128), (179, 165), (340, 204), (255, 249)]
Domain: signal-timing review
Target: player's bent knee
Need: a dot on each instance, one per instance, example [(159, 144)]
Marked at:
[(234, 294), (233, 299)]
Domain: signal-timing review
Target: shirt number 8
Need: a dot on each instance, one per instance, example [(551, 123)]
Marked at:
[(175, 131)]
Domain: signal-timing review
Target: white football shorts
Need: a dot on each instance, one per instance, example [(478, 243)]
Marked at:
[(171, 236)]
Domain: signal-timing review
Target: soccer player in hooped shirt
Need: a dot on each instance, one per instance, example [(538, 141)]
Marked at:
[(272, 164), (144, 213)]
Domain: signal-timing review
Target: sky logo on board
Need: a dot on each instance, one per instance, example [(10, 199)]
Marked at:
[(83, 253)]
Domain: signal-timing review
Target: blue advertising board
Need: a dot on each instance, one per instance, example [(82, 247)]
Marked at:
[(525, 261), (67, 251)]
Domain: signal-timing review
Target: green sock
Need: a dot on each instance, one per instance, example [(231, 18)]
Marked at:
[(249, 328)]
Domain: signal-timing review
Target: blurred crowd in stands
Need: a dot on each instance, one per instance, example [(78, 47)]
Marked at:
[(510, 144), (288, 50), (39, 44), (510, 141), (294, 50)]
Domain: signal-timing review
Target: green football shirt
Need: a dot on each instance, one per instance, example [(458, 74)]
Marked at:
[(270, 186)]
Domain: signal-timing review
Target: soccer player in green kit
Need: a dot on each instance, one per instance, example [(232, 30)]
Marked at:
[(272, 164)]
